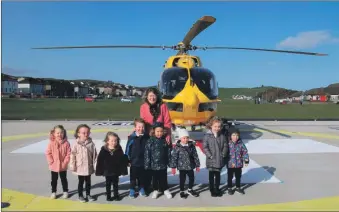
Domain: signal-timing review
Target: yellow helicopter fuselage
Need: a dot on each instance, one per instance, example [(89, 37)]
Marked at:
[(189, 90)]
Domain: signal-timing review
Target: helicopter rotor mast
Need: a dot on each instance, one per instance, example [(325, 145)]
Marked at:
[(185, 46)]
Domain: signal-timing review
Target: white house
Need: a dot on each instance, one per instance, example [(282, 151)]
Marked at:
[(334, 98), (8, 85)]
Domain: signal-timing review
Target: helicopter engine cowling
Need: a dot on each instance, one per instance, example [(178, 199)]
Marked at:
[(186, 62)]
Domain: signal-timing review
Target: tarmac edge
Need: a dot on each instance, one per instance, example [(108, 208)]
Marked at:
[(19, 201)]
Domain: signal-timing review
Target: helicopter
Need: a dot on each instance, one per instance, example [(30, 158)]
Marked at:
[(189, 89)]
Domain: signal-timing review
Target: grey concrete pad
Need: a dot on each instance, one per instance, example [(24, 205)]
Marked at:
[(304, 176)]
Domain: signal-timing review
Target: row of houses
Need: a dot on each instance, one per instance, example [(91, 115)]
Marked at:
[(63, 88)]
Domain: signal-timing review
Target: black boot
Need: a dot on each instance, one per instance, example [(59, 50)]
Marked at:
[(218, 192), (116, 196), (108, 196)]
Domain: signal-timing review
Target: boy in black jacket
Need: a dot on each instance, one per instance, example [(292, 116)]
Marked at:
[(135, 150), (111, 163)]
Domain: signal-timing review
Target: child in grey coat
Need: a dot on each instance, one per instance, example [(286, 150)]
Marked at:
[(215, 146)]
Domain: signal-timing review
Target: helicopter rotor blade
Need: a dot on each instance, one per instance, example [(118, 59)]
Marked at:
[(104, 47), (267, 50), (197, 28)]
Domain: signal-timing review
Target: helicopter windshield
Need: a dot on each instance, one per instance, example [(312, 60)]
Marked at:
[(205, 81), (173, 81)]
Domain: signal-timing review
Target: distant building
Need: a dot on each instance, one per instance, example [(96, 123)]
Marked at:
[(30, 85), (9, 84), (80, 89)]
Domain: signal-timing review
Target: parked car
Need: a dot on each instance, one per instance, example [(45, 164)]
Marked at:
[(124, 99), (89, 98)]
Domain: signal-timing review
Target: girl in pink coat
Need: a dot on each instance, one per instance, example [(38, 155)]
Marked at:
[(58, 156)]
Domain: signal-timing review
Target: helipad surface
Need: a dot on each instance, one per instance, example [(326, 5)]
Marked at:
[(285, 166)]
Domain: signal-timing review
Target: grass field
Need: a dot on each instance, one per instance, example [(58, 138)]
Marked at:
[(47, 109)]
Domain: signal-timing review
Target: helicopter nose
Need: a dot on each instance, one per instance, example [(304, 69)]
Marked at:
[(191, 103)]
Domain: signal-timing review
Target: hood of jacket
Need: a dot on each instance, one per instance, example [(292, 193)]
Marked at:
[(88, 141), (210, 133), (190, 143)]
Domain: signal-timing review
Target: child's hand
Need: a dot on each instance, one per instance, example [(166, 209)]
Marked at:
[(197, 169), (173, 171), (129, 164), (246, 163)]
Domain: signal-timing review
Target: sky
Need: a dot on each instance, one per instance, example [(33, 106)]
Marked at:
[(304, 26)]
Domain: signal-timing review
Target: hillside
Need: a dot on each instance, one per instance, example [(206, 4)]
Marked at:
[(332, 89), (227, 93), (273, 93)]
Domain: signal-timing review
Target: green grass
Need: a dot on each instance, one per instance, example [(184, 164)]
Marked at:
[(47, 109)]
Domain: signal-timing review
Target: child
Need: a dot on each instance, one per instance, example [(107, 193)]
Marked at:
[(237, 154), (157, 157), (216, 150), (135, 150), (185, 158), (58, 155), (111, 163), (83, 158)]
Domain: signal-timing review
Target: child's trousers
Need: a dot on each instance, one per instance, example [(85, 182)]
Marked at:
[(109, 181), (230, 173), (214, 180), (160, 180), (182, 177), (137, 173), (54, 181), (87, 181)]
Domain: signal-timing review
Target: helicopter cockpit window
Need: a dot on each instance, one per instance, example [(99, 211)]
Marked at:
[(172, 82), (205, 81)]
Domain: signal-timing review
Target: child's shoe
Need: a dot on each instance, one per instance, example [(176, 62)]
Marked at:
[(82, 199), (213, 194), (240, 191), (168, 194), (155, 194), (53, 195), (116, 197), (65, 195), (132, 193), (192, 193), (218, 192), (183, 195), (142, 192), (90, 198), (230, 191)]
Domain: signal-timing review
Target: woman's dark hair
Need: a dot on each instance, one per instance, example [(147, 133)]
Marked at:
[(157, 94), (78, 128), (155, 108)]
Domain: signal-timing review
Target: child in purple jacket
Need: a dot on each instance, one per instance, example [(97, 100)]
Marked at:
[(237, 158)]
